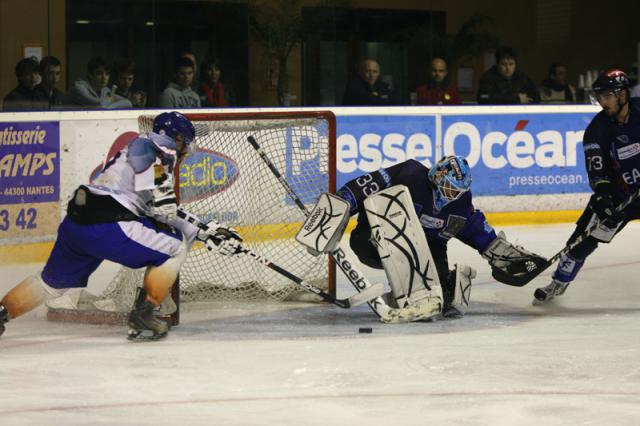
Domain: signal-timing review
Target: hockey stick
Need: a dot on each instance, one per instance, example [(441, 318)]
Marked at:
[(355, 300), (347, 265), (520, 280)]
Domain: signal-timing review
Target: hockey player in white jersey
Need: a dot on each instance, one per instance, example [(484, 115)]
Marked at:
[(128, 215)]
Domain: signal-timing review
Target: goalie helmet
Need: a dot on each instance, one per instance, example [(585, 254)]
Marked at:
[(172, 124), (452, 178)]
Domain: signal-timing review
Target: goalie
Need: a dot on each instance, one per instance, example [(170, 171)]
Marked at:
[(441, 198), (128, 215)]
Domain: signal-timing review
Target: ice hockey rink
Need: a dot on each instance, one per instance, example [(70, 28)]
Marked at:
[(575, 361)]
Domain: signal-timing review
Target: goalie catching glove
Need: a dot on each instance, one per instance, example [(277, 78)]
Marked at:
[(509, 261), (220, 239)]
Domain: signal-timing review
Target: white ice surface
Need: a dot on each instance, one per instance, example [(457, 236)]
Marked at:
[(576, 361)]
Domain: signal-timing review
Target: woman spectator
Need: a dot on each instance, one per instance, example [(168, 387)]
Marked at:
[(213, 93)]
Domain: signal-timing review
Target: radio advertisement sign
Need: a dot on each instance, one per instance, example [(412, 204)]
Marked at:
[(509, 154), (29, 179)]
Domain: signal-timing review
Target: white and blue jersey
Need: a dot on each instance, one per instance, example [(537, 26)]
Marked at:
[(129, 179)]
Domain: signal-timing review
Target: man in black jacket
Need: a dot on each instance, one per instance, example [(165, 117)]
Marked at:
[(24, 97), (504, 84), (51, 70), (367, 88)]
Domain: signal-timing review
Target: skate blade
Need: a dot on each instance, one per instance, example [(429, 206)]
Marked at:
[(141, 336)]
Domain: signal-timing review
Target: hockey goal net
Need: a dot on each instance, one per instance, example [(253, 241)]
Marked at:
[(226, 180)]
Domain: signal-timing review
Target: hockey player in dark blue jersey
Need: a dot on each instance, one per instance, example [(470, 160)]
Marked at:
[(442, 200), (612, 152)]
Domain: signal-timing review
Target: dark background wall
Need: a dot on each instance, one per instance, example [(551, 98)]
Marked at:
[(583, 34)]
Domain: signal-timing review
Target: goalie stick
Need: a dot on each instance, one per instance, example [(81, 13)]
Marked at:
[(386, 313), (355, 300), (520, 280)]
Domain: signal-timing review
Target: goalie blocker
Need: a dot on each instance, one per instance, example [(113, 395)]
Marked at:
[(323, 228)]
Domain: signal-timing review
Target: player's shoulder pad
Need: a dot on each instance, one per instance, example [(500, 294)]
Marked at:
[(141, 154), (408, 168), (412, 162)]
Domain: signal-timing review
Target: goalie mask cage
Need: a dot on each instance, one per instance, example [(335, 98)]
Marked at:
[(226, 180)]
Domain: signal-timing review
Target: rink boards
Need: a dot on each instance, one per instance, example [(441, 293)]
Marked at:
[(527, 162)]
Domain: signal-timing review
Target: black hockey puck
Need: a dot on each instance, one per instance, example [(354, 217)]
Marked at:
[(365, 330)]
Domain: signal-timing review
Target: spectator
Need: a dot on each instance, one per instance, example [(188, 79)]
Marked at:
[(192, 58), (437, 91), (212, 92), (555, 89), (51, 70), (94, 91), (504, 84), (179, 93), (124, 72), (367, 88), (24, 97)]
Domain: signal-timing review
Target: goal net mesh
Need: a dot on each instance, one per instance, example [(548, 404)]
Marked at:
[(226, 180)]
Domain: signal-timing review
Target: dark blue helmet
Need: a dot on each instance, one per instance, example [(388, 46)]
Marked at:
[(452, 177), (611, 80), (173, 124)]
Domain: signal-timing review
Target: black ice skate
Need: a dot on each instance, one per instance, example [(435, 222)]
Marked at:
[(4, 318), (545, 294), (142, 321)]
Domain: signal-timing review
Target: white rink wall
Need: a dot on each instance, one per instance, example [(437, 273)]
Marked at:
[(523, 159)]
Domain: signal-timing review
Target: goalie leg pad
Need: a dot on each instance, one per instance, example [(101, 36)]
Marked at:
[(460, 282), (398, 236), (425, 309), (323, 229)]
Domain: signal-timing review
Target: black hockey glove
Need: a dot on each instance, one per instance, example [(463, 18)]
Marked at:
[(604, 207)]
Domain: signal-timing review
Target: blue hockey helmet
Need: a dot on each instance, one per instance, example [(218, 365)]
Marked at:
[(173, 124), (451, 176)]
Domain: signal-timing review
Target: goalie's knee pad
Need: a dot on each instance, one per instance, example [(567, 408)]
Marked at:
[(457, 293), (398, 236)]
